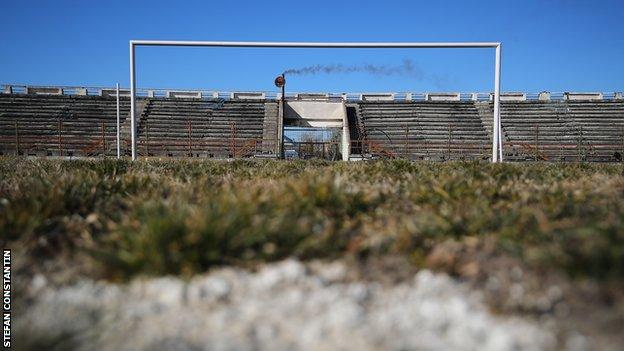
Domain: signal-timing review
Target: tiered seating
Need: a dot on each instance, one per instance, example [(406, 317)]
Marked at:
[(193, 127), (563, 131), (59, 125), (536, 130), (425, 130), (601, 128), (532, 130)]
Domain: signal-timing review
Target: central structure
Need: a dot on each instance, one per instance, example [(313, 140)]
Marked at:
[(497, 154)]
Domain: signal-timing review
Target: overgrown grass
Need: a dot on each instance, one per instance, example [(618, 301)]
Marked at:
[(183, 216)]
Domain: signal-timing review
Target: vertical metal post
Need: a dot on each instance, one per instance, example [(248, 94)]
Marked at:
[(497, 150), (282, 154), (450, 132), (409, 141), (582, 151), (578, 148), (103, 141), (17, 141), (189, 138), (147, 142), (60, 136), (537, 153), (233, 139), (118, 125), (405, 152), (132, 102), (622, 144)]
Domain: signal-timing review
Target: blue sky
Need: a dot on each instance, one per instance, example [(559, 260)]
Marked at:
[(554, 45)]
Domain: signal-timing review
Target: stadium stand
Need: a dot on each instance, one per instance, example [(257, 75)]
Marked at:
[(600, 127), (79, 121), (572, 130), (201, 128), (538, 131), (59, 125), (424, 130)]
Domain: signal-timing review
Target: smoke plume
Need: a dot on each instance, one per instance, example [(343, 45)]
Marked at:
[(406, 69)]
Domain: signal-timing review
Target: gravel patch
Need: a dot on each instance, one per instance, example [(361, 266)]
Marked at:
[(282, 306)]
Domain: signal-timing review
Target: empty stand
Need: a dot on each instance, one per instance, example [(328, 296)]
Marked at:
[(561, 130), (600, 128), (207, 128), (424, 130), (569, 127), (59, 125), (538, 130)]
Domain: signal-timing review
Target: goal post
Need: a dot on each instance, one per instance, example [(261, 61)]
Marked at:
[(497, 149)]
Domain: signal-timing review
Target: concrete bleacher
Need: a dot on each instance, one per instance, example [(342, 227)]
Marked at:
[(564, 130), (205, 128), (600, 127), (538, 131), (79, 121), (58, 125), (425, 130)]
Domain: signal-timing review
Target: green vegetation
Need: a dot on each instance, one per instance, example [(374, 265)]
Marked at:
[(183, 216)]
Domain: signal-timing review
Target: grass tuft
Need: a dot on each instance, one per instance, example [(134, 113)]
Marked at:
[(184, 216)]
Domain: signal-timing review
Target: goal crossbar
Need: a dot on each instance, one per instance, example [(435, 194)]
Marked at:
[(497, 150)]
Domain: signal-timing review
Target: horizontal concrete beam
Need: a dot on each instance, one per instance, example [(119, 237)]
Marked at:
[(113, 92), (248, 96), (377, 97), (583, 96), (312, 96), (443, 97), (307, 122), (314, 113), (44, 91), (184, 94), (515, 96)]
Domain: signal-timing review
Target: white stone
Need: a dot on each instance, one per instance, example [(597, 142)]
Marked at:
[(282, 306), (544, 96)]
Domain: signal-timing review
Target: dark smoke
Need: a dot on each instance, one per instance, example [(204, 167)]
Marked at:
[(407, 68)]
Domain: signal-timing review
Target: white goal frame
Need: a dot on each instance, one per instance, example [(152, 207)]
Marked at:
[(497, 147)]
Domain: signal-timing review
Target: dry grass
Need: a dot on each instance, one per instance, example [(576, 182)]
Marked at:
[(182, 217)]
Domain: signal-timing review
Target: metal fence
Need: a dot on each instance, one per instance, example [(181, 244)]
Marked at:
[(190, 142), (273, 95), (59, 138)]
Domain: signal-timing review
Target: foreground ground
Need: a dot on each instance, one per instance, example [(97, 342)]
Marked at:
[(541, 242)]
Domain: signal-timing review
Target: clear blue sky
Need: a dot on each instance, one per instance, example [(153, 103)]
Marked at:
[(555, 45)]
